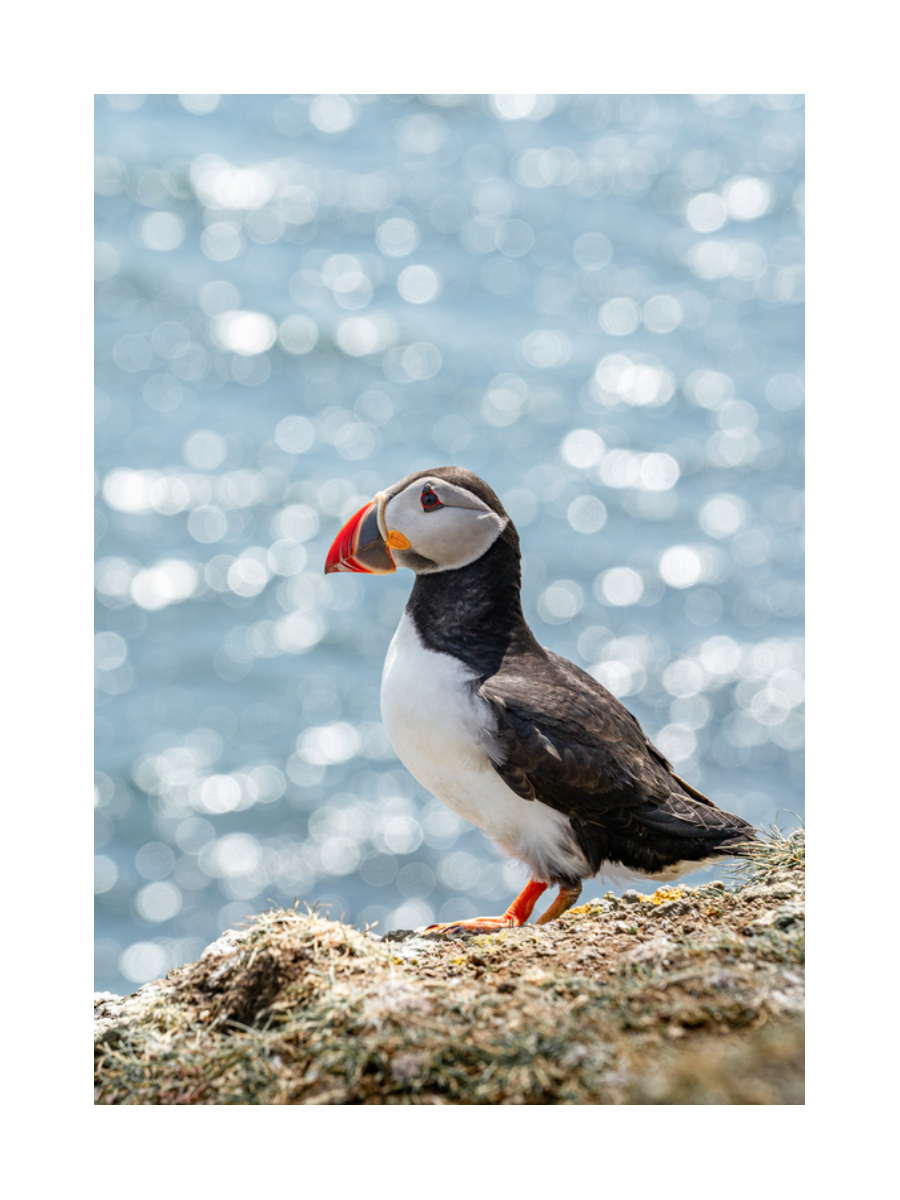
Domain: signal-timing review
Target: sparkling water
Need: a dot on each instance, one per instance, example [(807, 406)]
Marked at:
[(594, 302)]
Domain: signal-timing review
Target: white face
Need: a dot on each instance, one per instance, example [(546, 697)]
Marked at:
[(450, 531)]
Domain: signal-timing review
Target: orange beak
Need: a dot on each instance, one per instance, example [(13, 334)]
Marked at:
[(363, 544)]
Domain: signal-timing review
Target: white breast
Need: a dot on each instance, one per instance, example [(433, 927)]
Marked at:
[(441, 730)]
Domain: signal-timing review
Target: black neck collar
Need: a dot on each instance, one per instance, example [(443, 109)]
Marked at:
[(475, 612)]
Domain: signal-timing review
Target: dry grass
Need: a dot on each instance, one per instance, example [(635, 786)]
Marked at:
[(690, 997)]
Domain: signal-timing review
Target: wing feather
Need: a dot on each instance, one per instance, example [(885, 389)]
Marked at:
[(560, 737)]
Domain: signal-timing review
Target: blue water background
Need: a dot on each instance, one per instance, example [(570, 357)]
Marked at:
[(594, 302)]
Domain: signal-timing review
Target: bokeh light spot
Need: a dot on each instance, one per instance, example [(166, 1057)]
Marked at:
[(245, 333), (545, 348), (661, 314), (295, 434), (133, 353), (371, 334), (106, 261), (619, 586), (681, 566), (709, 389), (207, 524), (298, 334), (143, 961), (707, 212), (200, 105), (110, 651), (785, 391), (522, 107), (397, 237), (586, 514), (333, 114), (168, 582), (419, 284), (723, 515), (677, 742), (582, 448), (620, 316), (746, 199), (658, 472), (514, 238), (205, 450), (159, 901), (219, 296), (106, 874), (221, 242), (592, 251), (162, 231), (560, 602)]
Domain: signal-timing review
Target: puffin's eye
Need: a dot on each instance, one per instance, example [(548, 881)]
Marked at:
[(430, 499)]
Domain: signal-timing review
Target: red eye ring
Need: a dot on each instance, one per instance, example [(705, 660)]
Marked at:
[(430, 499)]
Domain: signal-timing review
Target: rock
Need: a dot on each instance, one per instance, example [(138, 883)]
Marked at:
[(653, 951), (786, 917), (604, 1006), (105, 998), (775, 891), (228, 943)]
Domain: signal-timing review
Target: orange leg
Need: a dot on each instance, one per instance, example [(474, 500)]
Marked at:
[(517, 914), (562, 903)]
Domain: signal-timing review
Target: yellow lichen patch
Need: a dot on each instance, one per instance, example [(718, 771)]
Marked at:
[(484, 940), (662, 896), (582, 910), (459, 961)]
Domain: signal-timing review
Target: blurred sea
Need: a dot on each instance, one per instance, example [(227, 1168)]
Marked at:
[(594, 302)]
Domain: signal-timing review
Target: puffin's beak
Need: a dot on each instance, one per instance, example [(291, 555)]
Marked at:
[(363, 543)]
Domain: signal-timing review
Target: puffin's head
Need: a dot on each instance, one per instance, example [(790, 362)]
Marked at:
[(436, 520)]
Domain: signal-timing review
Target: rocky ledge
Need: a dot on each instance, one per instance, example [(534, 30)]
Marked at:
[(689, 996)]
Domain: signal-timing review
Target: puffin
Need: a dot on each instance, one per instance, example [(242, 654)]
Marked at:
[(509, 735)]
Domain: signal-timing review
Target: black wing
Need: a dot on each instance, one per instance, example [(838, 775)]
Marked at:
[(560, 737)]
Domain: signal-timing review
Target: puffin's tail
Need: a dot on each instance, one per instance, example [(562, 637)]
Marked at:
[(740, 838)]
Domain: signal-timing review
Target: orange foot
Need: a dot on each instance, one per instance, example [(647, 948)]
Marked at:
[(517, 913), (472, 925)]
